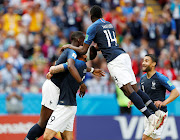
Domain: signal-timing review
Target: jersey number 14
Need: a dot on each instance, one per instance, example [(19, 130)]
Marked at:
[(110, 37)]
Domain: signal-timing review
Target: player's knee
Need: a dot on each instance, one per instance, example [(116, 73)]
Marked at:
[(46, 137), (42, 124), (144, 137), (68, 137)]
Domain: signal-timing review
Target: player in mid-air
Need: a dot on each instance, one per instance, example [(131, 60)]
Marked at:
[(51, 88), (119, 65), (155, 85)]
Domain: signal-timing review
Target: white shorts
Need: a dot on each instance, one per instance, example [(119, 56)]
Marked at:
[(62, 119), (121, 70), (156, 133), (50, 95)]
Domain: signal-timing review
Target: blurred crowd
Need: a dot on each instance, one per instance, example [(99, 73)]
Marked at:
[(33, 31)]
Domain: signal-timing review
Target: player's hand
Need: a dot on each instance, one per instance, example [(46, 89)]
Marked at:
[(49, 75), (98, 72), (129, 104), (159, 104), (82, 90), (65, 47)]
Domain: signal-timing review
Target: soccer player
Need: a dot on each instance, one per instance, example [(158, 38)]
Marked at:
[(155, 85), (51, 88), (62, 118), (119, 65)]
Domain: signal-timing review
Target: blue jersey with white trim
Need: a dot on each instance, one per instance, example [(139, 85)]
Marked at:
[(102, 32), (156, 87), (69, 85), (66, 54)]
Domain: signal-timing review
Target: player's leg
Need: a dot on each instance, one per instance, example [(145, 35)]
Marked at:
[(146, 99), (38, 129), (50, 95), (62, 120), (136, 99), (49, 134), (149, 103), (67, 135), (145, 137), (121, 70)]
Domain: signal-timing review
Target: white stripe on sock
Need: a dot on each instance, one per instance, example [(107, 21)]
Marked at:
[(143, 109), (148, 102)]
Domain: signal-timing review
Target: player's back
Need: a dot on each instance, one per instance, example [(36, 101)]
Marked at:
[(103, 33), (69, 85), (66, 54)]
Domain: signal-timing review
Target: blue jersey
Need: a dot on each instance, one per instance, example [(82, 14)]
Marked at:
[(103, 33), (156, 87), (69, 85), (66, 54)]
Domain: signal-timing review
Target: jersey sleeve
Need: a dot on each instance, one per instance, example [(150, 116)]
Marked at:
[(65, 65), (71, 54), (166, 82), (90, 35)]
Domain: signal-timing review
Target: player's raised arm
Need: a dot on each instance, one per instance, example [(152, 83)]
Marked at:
[(96, 72), (58, 68), (81, 49)]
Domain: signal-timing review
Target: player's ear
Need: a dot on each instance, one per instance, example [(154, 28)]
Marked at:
[(154, 64)]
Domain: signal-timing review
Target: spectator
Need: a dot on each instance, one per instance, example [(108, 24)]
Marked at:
[(71, 22), (26, 75), (47, 49), (9, 41), (37, 16), (9, 73), (168, 70), (127, 44), (14, 99), (10, 21), (140, 4), (38, 78), (151, 31), (1, 84), (135, 28), (127, 9), (169, 25), (17, 60), (175, 9)]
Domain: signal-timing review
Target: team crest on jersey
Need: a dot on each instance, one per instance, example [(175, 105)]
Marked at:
[(84, 71), (153, 85)]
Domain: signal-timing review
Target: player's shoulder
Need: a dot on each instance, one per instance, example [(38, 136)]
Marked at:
[(70, 50), (161, 76), (143, 76), (80, 63), (93, 26)]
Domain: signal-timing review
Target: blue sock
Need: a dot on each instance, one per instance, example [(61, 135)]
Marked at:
[(35, 132), (54, 138), (147, 101), (138, 102)]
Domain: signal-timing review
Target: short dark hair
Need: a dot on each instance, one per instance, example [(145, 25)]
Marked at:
[(153, 57), (96, 12), (77, 35)]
